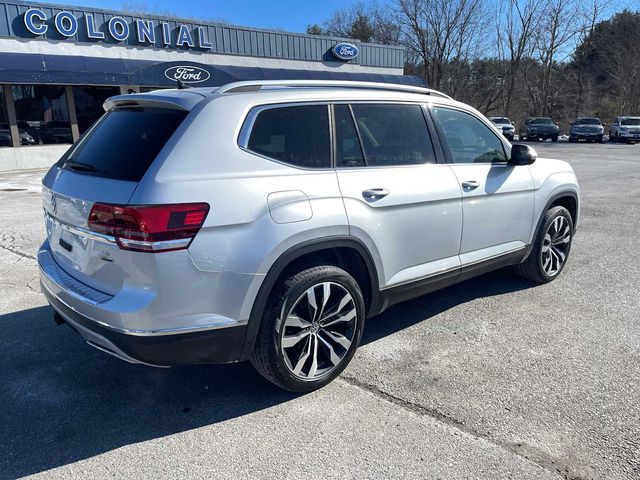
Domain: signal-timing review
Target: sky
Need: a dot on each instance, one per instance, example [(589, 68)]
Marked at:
[(289, 15)]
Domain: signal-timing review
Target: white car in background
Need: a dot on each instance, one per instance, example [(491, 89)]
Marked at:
[(506, 125), (625, 129)]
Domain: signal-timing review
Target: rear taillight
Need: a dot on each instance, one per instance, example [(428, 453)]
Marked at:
[(149, 228)]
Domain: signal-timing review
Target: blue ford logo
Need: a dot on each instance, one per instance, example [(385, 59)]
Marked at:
[(187, 74), (345, 51)]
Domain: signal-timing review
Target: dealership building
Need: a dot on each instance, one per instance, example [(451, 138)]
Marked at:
[(59, 63)]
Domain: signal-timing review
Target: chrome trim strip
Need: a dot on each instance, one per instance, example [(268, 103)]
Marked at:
[(498, 255), (82, 232), (155, 246), (140, 333), (451, 269), (244, 85), (430, 275)]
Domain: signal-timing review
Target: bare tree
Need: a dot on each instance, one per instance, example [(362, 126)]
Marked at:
[(442, 35), (518, 21), (367, 22)]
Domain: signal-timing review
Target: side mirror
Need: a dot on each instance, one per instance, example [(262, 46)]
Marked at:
[(522, 154), (556, 123)]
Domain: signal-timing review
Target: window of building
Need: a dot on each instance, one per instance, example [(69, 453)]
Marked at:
[(393, 134), (297, 135), (42, 114), (348, 149), (5, 133), (89, 102), (469, 140)]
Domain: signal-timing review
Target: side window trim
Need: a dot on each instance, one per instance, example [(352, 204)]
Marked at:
[(359, 135), (445, 145), (244, 135), (435, 144)]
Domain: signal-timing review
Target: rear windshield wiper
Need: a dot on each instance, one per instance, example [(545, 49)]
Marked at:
[(80, 166)]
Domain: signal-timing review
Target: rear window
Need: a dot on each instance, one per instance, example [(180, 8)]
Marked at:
[(297, 135), (123, 143)]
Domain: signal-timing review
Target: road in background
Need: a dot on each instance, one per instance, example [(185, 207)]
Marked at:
[(493, 378)]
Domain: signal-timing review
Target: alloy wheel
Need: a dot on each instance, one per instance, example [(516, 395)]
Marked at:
[(318, 331), (555, 246)]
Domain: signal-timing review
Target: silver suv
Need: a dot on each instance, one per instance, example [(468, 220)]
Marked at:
[(265, 221)]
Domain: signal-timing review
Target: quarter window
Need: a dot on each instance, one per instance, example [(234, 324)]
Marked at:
[(469, 140), (393, 134), (297, 135)]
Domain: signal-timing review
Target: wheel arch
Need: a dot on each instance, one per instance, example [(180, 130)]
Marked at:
[(565, 198), (346, 252)]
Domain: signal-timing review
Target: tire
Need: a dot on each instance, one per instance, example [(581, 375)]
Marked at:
[(554, 138), (535, 268), (312, 359)]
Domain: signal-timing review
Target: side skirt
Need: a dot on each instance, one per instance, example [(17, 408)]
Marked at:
[(401, 293)]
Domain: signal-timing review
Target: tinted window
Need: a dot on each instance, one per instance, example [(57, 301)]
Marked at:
[(394, 134), (469, 140), (348, 149), (542, 121), (587, 121), (42, 114), (297, 135), (5, 133), (89, 102), (630, 121), (124, 143)]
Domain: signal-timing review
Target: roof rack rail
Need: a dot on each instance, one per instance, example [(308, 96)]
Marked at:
[(255, 85)]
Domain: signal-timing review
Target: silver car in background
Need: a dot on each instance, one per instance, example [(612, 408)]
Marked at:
[(265, 221), (625, 129), (506, 125)]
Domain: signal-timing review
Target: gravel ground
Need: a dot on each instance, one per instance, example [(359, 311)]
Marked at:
[(493, 378)]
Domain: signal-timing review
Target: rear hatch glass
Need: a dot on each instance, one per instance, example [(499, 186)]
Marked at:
[(105, 166), (123, 143)]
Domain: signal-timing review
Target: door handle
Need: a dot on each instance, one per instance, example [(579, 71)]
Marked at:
[(375, 193), (470, 184)]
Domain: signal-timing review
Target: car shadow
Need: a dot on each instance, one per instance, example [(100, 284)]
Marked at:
[(407, 314), (62, 401)]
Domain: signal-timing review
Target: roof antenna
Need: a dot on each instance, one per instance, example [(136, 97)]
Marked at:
[(181, 85)]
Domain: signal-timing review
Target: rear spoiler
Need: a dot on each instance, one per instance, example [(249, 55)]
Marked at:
[(184, 100)]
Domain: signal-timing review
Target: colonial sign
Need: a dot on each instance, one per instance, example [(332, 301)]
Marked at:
[(145, 31)]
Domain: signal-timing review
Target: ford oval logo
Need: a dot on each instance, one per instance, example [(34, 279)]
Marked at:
[(345, 51), (187, 74)]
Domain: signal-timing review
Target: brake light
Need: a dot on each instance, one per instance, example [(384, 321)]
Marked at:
[(149, 228)]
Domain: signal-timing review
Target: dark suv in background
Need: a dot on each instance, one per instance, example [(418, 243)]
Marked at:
[(539, 128), (586, 128)]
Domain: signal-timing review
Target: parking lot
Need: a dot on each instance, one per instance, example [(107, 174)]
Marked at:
[(493, 378)]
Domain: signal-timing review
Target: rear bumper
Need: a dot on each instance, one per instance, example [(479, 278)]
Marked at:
[(211, 346), (90, 313)]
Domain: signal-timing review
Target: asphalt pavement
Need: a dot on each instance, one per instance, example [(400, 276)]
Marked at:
[(495, 378)]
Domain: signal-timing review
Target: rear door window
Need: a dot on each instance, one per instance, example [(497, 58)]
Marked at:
[(393, 135), (296, 135), (123, 144)]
